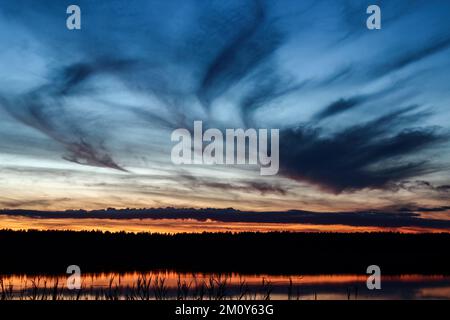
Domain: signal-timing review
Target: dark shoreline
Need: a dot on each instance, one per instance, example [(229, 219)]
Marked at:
[(247, 253)]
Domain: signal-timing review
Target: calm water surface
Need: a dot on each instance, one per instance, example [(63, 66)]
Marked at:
[(173, 285)]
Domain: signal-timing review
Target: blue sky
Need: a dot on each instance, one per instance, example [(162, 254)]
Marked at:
[(86, 115)]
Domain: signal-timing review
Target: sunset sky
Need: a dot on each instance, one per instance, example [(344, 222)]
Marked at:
[(86, 115)]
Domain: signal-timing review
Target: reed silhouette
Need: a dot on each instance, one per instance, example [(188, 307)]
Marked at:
[(144, 288)]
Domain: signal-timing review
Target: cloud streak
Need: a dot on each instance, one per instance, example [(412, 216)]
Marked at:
[(43, 109), (369, 155), (385, 219), (112, 93)]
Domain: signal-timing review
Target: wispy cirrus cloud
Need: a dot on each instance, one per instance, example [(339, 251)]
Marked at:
[(336, 90), (370, 155), (43, 109)]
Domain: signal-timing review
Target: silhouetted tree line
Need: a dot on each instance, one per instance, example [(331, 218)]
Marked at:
[(277, 252)]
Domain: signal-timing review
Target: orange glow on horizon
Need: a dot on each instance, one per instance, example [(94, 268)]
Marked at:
[(172, 226)]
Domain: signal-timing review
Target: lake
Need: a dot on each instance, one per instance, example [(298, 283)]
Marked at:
[(156, 285)]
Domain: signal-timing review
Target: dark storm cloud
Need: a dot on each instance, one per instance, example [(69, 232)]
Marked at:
[(368, 155)]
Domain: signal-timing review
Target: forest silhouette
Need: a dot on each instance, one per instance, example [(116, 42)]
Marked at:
[(274, 253)]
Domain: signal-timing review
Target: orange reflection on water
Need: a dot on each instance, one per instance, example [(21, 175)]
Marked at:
[(305, 286)]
